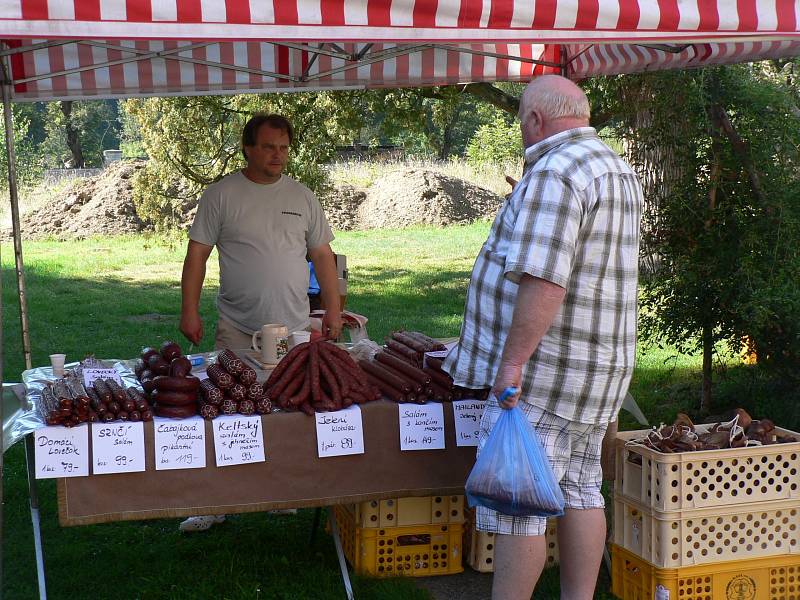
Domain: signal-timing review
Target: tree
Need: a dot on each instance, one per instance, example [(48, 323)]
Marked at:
[(77, 132), (719, 150), (28, 159)]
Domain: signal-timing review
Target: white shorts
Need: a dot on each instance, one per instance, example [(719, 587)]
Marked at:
[(574, 451)]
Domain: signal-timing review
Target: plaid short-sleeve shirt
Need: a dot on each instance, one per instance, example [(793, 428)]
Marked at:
[(573, 219)]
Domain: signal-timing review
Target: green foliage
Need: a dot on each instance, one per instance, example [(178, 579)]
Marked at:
[(95, 123), (193, 142), (725, 232), (28, 160), (427, 122), (497, 142)]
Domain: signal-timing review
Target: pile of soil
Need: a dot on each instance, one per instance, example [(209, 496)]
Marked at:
[(341, 206), (103, 205), (413, 196), (95, 206)]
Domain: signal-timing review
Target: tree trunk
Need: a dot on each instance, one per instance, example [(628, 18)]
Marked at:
[(447, 136), (708, 355), (71, 134)]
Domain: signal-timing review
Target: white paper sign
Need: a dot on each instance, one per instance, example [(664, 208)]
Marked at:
[(117, 448), (90, 375), (62, 451), (467, 416), (180, 443), (340, 432), (238, 440), (421, 426)]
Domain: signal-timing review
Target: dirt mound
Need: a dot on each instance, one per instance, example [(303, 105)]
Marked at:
[(101, 205), (341, 206), (412, 196)]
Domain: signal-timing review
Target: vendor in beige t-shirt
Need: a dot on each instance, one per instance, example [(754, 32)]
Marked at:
[(263, 224)]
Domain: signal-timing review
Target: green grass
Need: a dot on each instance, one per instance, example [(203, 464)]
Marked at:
[(109, 297)]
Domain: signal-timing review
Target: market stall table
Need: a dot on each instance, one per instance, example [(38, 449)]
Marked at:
[(292, 476)]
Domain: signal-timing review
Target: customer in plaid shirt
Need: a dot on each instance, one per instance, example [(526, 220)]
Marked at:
[(551, 309)]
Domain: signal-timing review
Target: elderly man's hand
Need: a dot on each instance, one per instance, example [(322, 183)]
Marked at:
[(332, 324), (507, 376)]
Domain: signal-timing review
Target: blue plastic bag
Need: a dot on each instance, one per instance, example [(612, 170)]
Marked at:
[(512, 474)]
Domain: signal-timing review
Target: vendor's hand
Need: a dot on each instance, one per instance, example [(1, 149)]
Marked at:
[(192, 327), (511, 181), (332, 324), (507, 376)]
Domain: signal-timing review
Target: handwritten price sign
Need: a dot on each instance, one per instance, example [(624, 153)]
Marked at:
[(340, 433), (118, 448), (238, 440), (180, 444), (421, 426), (467, 416), (62, 451)]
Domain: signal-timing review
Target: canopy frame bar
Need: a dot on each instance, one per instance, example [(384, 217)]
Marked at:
[(361, 58)]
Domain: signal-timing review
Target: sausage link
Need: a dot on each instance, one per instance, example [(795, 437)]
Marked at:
[(287, 360)]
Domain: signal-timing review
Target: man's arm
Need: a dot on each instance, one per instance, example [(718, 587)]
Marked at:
[(325, 268), (537, 304), (194, 273)]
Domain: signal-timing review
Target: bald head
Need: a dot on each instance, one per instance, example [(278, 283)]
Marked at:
[(549, 105)]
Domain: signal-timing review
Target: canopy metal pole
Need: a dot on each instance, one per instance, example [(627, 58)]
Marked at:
[(12, 190), (5, 88)]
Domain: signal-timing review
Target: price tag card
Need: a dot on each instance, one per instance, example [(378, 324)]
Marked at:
[(340, 432), (421, 426), (467, 415), (89, 375), (62, 451), (238, 440), (117, 448), (180, 443)]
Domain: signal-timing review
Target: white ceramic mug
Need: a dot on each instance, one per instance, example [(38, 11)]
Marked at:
[(274, 345), (298, 337)]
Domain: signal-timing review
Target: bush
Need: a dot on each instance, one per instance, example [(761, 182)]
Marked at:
[(497, 142)]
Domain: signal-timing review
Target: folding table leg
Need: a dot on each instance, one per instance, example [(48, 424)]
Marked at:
[(33, 495), (340, 553)]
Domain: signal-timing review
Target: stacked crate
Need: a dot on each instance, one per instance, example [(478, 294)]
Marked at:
[(479, 545), (414, 537), (697, 525)]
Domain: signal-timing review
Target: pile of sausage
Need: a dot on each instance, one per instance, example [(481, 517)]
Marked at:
[(316, 377), (67, 402), (401, 372), (741, 431), (232, 388), (165, 376)]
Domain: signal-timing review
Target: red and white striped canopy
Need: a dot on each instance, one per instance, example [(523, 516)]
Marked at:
[(60, 49)]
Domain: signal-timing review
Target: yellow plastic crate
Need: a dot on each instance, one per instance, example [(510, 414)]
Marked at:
[(704, 536), (706, 479), (403, 512), (414, 551), (774, 578), (479, 547)]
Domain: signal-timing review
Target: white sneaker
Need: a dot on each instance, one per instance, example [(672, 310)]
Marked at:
[(200, 523)]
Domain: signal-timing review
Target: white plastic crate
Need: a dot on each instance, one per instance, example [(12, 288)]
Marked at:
[(479, 547), (709, 478), (703, 536), (403, 512)]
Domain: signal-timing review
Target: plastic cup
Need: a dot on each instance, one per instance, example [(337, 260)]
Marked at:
[(57, 362), (298, 337)]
